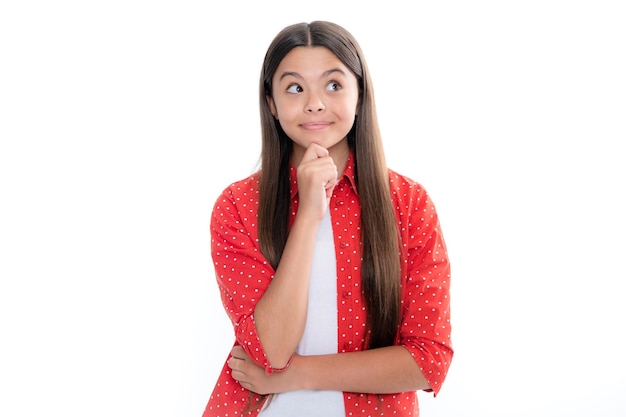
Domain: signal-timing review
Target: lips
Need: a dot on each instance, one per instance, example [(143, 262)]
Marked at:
[(315, 125)]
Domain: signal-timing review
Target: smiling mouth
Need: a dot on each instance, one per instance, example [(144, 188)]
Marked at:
[(315, 125)]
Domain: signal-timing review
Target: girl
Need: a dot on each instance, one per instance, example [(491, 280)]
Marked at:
[(332, 267)]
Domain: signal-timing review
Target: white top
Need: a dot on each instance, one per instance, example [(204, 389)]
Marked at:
[(320, 334)]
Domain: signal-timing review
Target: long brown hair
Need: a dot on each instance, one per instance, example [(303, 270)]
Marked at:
[(380, 270)]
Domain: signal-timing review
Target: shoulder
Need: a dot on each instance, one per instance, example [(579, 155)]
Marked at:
[(245, 188), (403, 187), (415, 211), (241, 194), (410, 199)]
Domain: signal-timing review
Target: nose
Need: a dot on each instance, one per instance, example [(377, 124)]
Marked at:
[(314, 104)]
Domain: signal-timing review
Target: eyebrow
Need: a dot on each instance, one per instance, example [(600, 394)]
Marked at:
[(325, 74)]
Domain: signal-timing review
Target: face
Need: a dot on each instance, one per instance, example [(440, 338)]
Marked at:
[(314, 97)]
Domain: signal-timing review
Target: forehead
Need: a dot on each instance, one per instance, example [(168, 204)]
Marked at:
[(309, 61)]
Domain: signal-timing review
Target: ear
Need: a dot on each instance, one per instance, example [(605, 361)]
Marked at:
[(272, 106)]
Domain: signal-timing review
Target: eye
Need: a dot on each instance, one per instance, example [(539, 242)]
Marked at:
[(294, 89), (333, 86)]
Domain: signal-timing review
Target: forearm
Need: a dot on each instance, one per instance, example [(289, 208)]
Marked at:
[(280, 315), (377, 371)]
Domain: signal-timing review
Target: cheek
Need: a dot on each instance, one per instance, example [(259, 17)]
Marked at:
[(286, 124), (352, 105), (284, 110), (349, 110)]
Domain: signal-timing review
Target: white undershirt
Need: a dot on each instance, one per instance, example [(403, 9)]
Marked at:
[(320, 334)]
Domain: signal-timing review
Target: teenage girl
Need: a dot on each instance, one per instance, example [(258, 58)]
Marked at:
[(331, 266)]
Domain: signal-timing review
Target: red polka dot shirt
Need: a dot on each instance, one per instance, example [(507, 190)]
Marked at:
[(243, 274)]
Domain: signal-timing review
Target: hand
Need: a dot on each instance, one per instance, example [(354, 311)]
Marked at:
[(253, 377), (317, 177)]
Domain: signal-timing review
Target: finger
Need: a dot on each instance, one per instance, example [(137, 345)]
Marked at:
[(233, 363), (313, 152), (331, 180), (330, 186), (238, 352), (238, 376)]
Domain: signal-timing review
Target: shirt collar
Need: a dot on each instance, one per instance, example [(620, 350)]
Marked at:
[(349, 174)]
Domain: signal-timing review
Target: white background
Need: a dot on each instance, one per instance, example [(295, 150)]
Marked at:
[(121, 121)]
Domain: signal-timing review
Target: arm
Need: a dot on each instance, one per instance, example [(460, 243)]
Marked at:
[(421, 360), (280, 314), (380, 371), (268, 308)]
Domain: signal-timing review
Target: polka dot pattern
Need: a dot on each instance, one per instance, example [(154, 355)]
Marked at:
[(243, 275)]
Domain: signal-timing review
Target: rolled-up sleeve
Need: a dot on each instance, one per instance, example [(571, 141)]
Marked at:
[(242, 272), (425, 329)]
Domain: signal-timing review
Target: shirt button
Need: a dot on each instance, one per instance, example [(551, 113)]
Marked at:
[(344, 245), (345, 294), (338, 203), (346, 346)]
